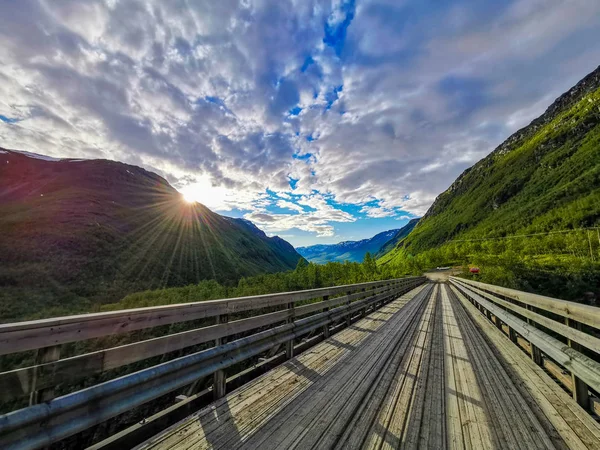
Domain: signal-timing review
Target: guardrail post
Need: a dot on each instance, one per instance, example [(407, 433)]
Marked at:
[(326, 326), (536, 354), (512, 334), (289, 345), (390, 296), (43, 355), (580, 389), (363, 312), (349, 316), (498, 323), (374, 304), (219, 380)]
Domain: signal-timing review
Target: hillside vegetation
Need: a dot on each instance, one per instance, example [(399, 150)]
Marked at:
[(528, 212), (304, 276), (77, 234)]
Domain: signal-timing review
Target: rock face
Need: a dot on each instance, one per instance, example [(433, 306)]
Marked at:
[(74, 233), (544, 177), (355, 251)]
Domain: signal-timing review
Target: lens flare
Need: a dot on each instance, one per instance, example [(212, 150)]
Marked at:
[(188, 197)]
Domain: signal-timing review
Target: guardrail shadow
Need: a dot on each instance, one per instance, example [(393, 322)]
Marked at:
[(225, 433)]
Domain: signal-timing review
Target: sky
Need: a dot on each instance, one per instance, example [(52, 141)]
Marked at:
[(320, 121)]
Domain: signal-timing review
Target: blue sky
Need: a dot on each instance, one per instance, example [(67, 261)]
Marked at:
[(320, 121)]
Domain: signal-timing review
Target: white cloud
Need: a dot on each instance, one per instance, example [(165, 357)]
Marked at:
[(318, 219), (377, 212), (201, 92), (289, 205)]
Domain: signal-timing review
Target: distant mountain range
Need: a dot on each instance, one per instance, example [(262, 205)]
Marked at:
[(355, 251), (75, 233)]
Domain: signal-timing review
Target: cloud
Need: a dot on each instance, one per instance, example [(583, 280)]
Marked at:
[(297, 105), (289, 205), (316, 218), (378, 212)]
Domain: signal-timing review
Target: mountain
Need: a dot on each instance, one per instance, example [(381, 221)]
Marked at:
[(286, 251), (74, 233), (355, 250), (544, 178), (400, 235)]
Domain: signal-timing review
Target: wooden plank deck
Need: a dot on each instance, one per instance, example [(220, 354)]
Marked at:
[(425, 371)]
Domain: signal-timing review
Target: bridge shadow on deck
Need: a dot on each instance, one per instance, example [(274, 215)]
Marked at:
[(226, 433), (303, 371)]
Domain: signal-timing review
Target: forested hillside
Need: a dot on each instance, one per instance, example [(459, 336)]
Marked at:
[(305, 276), (398, 237), (530, 207), (75, 234)]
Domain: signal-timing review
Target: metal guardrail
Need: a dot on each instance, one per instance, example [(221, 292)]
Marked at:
[(542, 321), (55, 419)]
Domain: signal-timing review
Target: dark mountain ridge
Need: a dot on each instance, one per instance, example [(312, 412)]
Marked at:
[(74, 233)]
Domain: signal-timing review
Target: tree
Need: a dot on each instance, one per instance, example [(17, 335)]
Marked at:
[(369, 265)]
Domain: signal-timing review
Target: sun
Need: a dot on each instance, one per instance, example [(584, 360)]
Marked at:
[(204, 192), (188, 197)]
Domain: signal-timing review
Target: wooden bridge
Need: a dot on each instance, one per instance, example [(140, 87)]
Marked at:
[(404, 363)]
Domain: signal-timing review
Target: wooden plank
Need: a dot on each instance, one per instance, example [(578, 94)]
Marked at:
[(470, 424), (580, 389), (433, 432), (574, 334), (576, 427), (360, 425), (22, 336), (512, 334), (515, 425), (408, 414), (454, 411), (289, 345), (222, 438), (387, 430), (319, 418), (19, 382), (585, 368), (348, 318), (40, 393), (579, 312), (219, 379)]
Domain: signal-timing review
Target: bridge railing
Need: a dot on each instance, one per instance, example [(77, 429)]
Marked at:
[(556, 332), (267, 322)]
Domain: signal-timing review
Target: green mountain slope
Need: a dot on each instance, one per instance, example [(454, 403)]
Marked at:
[(400, 235), (74, 234), (544, 180)]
